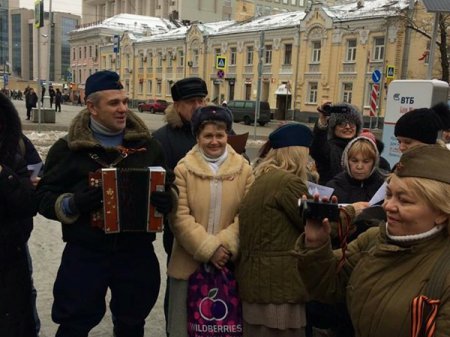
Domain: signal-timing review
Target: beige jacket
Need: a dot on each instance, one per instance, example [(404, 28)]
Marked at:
[(207, 209)]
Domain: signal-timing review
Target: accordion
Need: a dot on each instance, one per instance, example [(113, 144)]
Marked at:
[(126, 199)]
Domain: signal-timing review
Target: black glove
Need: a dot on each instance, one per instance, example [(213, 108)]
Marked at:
[(87, 200), (162, 200)]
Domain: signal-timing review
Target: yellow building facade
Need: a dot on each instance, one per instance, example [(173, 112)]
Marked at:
[(301, 58)]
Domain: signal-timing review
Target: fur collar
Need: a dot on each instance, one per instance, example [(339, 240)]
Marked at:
[(80, 135), (231, 167), (173, 117)]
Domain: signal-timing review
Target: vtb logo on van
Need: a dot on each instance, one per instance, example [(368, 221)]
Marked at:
[(403, 99)]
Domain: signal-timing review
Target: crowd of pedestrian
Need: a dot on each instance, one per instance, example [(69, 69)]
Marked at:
[(306, 264)]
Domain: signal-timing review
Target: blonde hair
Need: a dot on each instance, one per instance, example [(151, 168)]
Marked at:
[(293, 159), (435, 193), (364, 147)]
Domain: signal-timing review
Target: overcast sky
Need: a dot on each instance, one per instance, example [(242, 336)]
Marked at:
[(68, 6)]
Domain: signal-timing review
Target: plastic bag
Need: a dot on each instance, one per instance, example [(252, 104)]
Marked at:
[(214, 307)]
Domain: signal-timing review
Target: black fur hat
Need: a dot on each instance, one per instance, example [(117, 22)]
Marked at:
[(353, 116)]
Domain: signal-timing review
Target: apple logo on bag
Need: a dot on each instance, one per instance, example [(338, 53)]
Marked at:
[(211, 308)]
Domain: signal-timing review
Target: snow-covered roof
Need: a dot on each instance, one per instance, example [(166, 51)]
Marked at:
[(268, 22), (138, 24), (367, 8)]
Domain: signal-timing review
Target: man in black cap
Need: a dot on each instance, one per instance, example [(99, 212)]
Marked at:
[(176, 136), (105, 134)]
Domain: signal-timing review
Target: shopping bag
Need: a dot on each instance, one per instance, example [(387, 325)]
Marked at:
[(214, 308)]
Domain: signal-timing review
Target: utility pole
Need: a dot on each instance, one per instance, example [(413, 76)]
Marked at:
[(49, 48), (258, 87)]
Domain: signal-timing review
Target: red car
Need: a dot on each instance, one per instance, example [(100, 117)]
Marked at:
[(153, 105)]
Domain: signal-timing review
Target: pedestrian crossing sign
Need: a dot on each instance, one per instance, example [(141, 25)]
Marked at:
[(390, 71), (221, 62)]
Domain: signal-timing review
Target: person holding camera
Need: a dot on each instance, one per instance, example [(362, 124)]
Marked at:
[(337, 125), (395, 277), (273, 296)]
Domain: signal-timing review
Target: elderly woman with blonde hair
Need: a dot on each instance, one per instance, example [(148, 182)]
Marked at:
[(396, 277)]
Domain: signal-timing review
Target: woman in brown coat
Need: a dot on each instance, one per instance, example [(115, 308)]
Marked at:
[(390, 270)]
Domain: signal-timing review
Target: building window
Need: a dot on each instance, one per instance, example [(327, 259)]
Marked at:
[(316, 47), (268, 54), (141, 61), (170, 60), (74, 54), (127, 61), (141, 87), (158, 88), (427, 53), (150, 60), (160, 59), (347, 89), (301, 3), (287, 54), (312, 92), (195, 57), (85, 52), (149, 87), (90, 51), (181, 58), (293, 2), (351, 51), (378, 49), (249, 55), (233, 56), (79, 52)]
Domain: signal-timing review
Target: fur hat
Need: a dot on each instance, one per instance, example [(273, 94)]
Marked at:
[(188, 88), (425, 161), (102, 80), (353, 116), (291, 135), (211, 113), (423, 124)]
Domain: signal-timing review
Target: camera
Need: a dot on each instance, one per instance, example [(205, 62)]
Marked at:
[(329, 109), (317, 210)]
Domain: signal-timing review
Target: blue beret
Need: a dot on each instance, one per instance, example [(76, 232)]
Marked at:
[(102, 80), (291, 135), (188, 88), (211, 113)]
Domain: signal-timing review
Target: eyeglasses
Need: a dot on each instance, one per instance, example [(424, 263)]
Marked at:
[(343, 124)]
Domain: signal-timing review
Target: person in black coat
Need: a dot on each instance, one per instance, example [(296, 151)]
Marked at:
[(31, 100), (17, 208), (361, 177), (332, 132), (58, 100)]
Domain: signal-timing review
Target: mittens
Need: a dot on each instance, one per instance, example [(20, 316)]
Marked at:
[(162, 200), (87, 200)]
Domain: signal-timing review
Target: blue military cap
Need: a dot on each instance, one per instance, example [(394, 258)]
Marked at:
[(102, 80), (291, 135)]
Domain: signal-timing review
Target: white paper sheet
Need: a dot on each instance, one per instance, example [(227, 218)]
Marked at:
[(379, 195), (324, 191)]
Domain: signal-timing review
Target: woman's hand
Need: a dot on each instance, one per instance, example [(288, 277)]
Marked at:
[(316, 233), (323, 117), (220, 257), (359, 206)]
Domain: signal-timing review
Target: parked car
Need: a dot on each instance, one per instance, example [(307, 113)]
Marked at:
[(244, 111), (153, 105)]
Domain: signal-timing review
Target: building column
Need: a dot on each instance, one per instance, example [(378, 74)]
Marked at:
[(116, 7), (127, 7), (107, 9)]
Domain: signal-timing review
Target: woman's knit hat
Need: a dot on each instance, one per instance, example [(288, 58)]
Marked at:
[(423, 124), (353, 115)]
